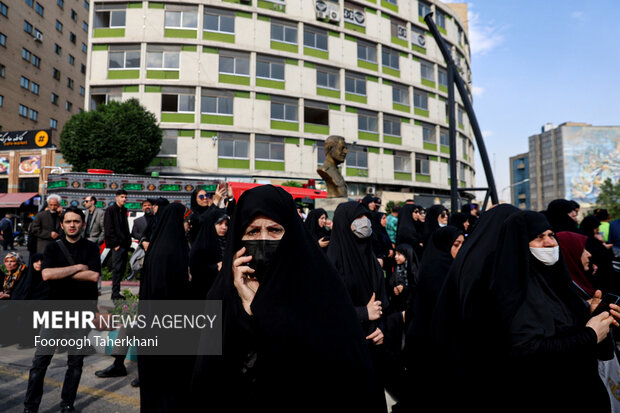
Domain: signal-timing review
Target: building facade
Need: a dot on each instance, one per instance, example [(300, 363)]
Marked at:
[(571, 161), (250, 89), (519, 181)]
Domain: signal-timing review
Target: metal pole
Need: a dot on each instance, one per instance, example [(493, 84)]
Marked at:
[(452, 120), (458, 80)]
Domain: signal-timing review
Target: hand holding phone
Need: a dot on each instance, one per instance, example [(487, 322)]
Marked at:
[(604, 304)]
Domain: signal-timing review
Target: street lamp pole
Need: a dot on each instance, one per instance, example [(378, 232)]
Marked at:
[(516, 183)]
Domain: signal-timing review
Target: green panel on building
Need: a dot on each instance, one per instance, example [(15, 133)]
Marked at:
[(334, 107), (328, 92), (262, 96), (217, 119), (134, 5), (372, 149), (181, 33), (402, 108), (388, 152), (124, 74), (177, 117), (395, 140), (292, 62), (274, 84), (318, 129), (271, 6), (160, 161), (309, 51), (442, 88), (235, 80), (399, 41), (355, 98), (283, 125), (421, 112), (208, 133), (100, 47), (422, 178), (403, 176), (390, 71), (350, 109), (241, 94), (109, 33), (131, 89), (368, 136), (188, 48), (372, 78), (309, 65), (162, 74), (309, 142), (152, 89), (357, 172), (155, 5), (233, 163), (294, 141), (218, 37), (418, 49), (427, 82), (390, 6), (429, 146), (269, 165), (367, 65), (354, 27), (210, 50), (243, 14), (286, 47), (444, 149)]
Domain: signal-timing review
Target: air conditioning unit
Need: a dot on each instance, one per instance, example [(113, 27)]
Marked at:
[(370, 190), (38, 37), (334, 16), (321, 15)]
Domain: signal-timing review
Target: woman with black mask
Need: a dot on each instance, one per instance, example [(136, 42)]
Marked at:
[(207, 251), (315, 224), (290, 337), (551, 340)]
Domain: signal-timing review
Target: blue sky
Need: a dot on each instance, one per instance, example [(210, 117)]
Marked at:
[(535, 62)]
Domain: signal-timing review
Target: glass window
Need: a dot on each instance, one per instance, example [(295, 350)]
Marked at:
[(400, 94), (54, 98), (367, 121), (39, 9), (355, 84), (391, 126), (84, 48), (162, 60), (427, 70), (34, 115), (123, 59), (27, 27), (269, 148), (68, 106), (34, 88), (109, 18), (459, 114), (57, 49), (53, 123), (442, 77), (2, 40), (284, 110), (390, 58), (422, 164), (56, 74), (23, 111), (73, 15), (61, 3), (357, 157), (4, 9), (235, 65), (177, 103), (267, 68), (181, 19), (420, 99), (366, 51), (30, 3), (70, 83), (24, 82), (58, 26), (315, 38), (233, 145), (281, 32), (85, 26), (402, 162), (71, 59), (219, 21), (424, 8), (327, 78), (428, 133), (440, 19), (36, 60), (316, 113), (217, 105), (82, 91), (444, 137), (26, 55)]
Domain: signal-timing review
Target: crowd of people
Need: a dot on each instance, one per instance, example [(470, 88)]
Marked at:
[(492, 310)]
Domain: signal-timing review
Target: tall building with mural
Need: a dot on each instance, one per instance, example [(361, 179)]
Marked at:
[(250, 89), (571, 161)]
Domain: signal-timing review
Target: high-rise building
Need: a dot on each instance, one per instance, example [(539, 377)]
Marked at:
[(250, 89), (43, 51), (519, 181), (571, 161)]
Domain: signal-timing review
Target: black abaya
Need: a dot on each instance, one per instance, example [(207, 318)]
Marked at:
[(407, 233), (557, 215), (312, 225), (430, 223)]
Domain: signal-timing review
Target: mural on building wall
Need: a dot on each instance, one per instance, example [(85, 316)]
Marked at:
[(591, 155), (4, 166), (30, 164)]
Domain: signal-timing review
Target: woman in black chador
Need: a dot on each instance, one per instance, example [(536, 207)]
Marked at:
[(207, 252), (381, 244), (165, 380), (291, 342), (551, 340), (558, 214), (436, 217), (408, 228), (315, 224)]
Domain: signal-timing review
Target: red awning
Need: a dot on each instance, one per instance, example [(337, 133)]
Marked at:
[(15, 200)]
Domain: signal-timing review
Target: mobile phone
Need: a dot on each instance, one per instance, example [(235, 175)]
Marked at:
[(604, 304), (326, 238)]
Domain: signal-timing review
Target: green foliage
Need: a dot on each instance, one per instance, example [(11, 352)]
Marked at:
[(292, 183), (127, 306), (609, 198), (121, 136), (390, 205)]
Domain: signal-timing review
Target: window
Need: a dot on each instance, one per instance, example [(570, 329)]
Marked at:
[(216, 103), (178, 103), (281, 32), (71, 59), (423, 8), (26, 55), (315, 38), (422, 164), (83, 68), (316, 113), (124, 57), (61, 3), (1, 100), (442, 77), (390, 58), (36, 61), (459, 114), (54, 98), (367, 121), (391, 126), (2, 70), (440, 19), (34, 88), (427, 70), (235, 65), (38, 34), (39, 9), (355, 84), (109, 16), (72, 37), (444, 137), (57, 49), (420, 99), (68, 106), (327, 78), (85, 26), (82, 91), (284, 109), (2, 39), (34, 115), (25, 83), (58, 26), (184, 19), (84, 48), (402, 162), (366, 51), (86, 5), (233, 145), (53, 123), (30, 3), (27, 27), (73, 15), (56, 74), (269, 148), (428, 133), (461, 171), (400, 94), (394, 2), (70, 83), (357, 157), (269, 68), (23, 110), (4, 10), (463, 145), (162, 57), (219, 21), (398, 29)]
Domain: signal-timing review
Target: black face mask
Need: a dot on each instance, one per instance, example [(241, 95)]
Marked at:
[(262, 252)]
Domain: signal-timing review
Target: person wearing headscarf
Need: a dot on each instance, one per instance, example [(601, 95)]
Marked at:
[(577, 259), (15, 269), (381, 244), (473, 213), (165, 277), (603, 215), (402, 281), (459, 220), (436, 217), (602, 256), (290, 337), (200, 201), (419, 218), (550, 340), (561, 215), (315, 224), (31, 285), (460, 318), (207, 251), (370, 202), (407, 232), (420, 355)]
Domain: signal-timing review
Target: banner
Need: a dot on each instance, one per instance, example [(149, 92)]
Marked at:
[(26, 139)]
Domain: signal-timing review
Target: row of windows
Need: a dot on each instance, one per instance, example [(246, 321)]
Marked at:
[(36, 6), (27, 112), (31, 57), (27, 84)]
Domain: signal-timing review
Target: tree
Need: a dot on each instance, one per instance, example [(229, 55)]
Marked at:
[(123, 137), (609, 197)]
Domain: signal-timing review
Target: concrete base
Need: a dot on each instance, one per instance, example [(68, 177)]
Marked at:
[(329, 204)]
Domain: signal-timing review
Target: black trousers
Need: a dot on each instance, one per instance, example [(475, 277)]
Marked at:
[(37, 377), (118, 262), (7, 241)]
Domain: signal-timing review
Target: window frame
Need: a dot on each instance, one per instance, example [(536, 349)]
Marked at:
[(422, 163), (284, 29), (393, 121), (390, 54), (124, 52), (420, 94), (270, 61), (361, 44), (427, 66), (356, 78), (316, 32), (234, 138), (402, 156), (353, 157), (286, 104), (270, 141), (179, 96), (235, 59), (163, 59), (429, 137), (367, 115), (214, 12), (217, 97), (328, 72), (109, 18), (183, 12)]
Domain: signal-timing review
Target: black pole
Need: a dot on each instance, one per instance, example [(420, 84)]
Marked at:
[(454, 206), (458, 80)]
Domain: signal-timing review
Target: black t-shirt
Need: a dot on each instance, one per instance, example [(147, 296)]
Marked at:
[(82, 252)]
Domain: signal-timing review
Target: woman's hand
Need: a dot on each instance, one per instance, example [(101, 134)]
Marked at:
[(600, 324), (595, 300), (245, 284), (374, 308), (398, 289), (323, 242), (376, 337), (380, 262)]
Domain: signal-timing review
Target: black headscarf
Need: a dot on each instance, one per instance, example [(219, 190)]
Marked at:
[(407, 233), (194, 206), (206, 252), (458, 219), (301, 308), (355, 260), (605, 278), (367, 200), (31, 285), (419, 224), (381, 243), (557, 215), (312, 224), (430, 223)]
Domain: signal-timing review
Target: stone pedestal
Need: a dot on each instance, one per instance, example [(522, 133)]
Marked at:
[(329, 204)]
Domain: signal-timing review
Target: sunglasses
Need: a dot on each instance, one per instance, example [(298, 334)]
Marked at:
[(443, 215), (202, 197)]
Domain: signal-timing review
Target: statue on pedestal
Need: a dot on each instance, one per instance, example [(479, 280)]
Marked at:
[(335, 153)]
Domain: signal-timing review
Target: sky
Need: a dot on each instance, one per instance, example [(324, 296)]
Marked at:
[(536, 62)]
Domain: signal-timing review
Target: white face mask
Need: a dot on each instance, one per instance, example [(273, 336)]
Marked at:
[(362, 228), (442, 225), (547, 256)]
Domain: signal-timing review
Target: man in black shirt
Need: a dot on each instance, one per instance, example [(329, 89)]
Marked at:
[(72, 274), (118, 239)]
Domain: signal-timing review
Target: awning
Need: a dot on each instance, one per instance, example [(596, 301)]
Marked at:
[(15, 200)]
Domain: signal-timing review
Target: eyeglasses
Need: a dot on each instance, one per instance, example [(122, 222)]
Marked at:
[(422, 212), (202, 197), (443, 215)]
